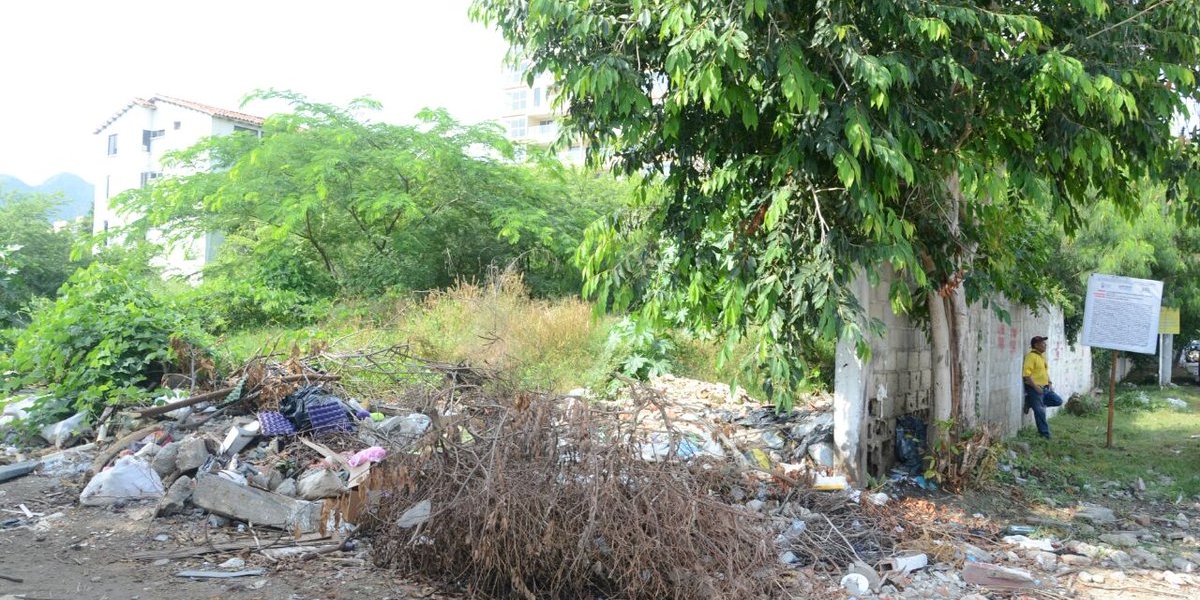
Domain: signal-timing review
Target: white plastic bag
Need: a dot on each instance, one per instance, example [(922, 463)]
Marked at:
[(130, 478), (61, 432)]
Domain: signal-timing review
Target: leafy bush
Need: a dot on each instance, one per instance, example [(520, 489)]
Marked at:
[(234, 305), (102, 342), (1132, 401), (638, 351)]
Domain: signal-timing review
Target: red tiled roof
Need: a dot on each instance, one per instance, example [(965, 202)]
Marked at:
[(212, 111)]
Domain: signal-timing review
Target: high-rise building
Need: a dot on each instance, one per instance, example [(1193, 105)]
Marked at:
[(529, 115)]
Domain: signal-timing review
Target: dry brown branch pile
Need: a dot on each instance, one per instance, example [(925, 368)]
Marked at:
[(541, 497), (837, 531)]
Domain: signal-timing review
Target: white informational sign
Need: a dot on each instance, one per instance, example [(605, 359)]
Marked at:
[(1121, 313)]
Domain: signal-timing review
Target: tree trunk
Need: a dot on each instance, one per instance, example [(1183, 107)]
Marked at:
[(941, 367), (964, 352)]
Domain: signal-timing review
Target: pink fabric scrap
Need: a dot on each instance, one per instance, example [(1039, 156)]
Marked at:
[(373, 454)]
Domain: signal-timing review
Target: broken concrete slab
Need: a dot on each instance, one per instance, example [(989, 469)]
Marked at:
[(996, 576), (16, 470), (218, 495)]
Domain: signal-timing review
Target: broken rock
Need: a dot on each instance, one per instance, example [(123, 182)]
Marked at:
[(193, 453), (176, 498), (320, 483), (164, 461)]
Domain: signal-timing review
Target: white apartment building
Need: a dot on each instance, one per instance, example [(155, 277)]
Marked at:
[(528, 115), (131, 144)]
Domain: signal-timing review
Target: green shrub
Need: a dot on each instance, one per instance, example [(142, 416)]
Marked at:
[(106, 340), (237, 305), (637, 351), (1133, 401)]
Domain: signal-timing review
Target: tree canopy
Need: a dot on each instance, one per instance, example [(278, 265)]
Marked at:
[(804, 142), (36, 255), (326, 202)]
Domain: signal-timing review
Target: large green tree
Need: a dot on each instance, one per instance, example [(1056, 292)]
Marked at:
[(326, 202), (805, 142), (38, 253)]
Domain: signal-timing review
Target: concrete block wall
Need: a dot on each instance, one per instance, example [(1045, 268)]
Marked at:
[(900, 382), (899, 378)]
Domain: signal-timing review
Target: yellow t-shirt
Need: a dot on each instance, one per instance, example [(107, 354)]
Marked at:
[(1036, 368)]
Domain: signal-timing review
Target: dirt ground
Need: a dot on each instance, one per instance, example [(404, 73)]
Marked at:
[(91, 552), (87, 553)]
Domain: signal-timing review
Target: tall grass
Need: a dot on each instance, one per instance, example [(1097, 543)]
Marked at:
[(549, 345)]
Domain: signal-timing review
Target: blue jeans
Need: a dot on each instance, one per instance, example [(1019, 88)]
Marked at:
[(1038, 400)]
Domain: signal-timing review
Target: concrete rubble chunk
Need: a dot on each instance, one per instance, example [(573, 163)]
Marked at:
[(287, 487), (164, 461), (193, 453), (1182, 565), (320, 483), (1120, 540), (223, 497), (1119, 558), (176, 498), (989, 575), (1075, 560), (1095, 514)]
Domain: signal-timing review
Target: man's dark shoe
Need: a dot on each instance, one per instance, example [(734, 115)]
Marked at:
[(1045, 435), (1026, 411)]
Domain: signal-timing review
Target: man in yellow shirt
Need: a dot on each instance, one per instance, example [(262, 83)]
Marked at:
[(1039, 390)]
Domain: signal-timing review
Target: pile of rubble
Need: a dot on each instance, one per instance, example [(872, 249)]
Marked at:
[(299, 454)]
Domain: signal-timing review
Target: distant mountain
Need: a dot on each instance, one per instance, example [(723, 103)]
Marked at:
[(77, 193)]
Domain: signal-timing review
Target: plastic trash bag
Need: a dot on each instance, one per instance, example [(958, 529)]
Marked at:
[(314, 409), (130, 478), (910, 443)]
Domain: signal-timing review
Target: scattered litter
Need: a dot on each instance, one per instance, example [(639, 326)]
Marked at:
[(830, 482), (239, 437), (58, 434), (856, 584), (416, 515), (373, 454), (906, 564), (220, 574)]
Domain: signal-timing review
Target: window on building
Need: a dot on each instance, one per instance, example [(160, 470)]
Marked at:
[(537, 97), (547, 127), (112, 144), (516, 99), (516, 127), (251, 130), (150, 134), (148, 176), (178, 125)]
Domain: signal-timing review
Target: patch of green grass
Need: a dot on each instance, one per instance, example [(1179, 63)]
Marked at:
[(1153, 439)]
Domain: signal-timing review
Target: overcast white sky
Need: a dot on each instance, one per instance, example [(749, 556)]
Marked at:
[(70, 64)]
